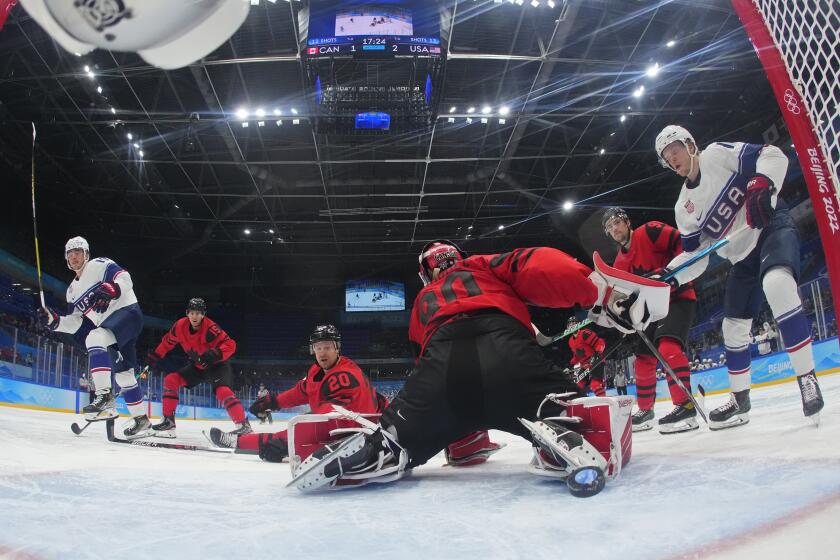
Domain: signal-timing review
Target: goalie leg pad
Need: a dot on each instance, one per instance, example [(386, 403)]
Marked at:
[(474, 449), (561, 452)]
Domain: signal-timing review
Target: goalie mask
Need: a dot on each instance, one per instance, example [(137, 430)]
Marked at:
[(165, 33), (76, 243), (442, 254), (322, 333), (571, 323)]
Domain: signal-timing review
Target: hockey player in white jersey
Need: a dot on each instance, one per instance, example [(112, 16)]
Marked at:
[(102, 291), (734, 187)]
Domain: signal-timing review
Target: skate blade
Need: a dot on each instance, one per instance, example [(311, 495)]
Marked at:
[(168, 434), (815, 419), (681, 427), (738, 420), (311, 476), (140, 435), (643, 427), (104, 415)]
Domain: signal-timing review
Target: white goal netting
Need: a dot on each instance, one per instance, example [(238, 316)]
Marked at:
[(806, 35)]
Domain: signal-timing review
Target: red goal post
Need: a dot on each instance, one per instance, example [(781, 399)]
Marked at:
[(798, 44)]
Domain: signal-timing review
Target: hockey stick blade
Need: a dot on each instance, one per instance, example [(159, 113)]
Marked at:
[(109, 432), (671, 373), (78, 430)]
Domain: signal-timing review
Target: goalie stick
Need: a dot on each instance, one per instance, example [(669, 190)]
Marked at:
[(544, 340)]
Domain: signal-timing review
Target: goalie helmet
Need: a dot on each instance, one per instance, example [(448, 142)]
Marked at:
[(571, 323), (670, 134), (77, 242), (614, 212), (197, 304), (322, 333), (442, 254), (164, 33)]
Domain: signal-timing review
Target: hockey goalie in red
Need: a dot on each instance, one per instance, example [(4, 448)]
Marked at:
[(208, 347), (587, 348), (647, 250), (480, 368)]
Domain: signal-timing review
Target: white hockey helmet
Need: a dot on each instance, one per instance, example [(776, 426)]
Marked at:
[(670, 134), (168, 34), (77, 242)]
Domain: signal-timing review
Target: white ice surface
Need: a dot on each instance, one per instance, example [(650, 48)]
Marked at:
[(765, 490)]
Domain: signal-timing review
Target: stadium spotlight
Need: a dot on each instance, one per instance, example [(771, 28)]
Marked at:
[(140, 153), (535, 3), (602, 151), (453, 109), (471, 110), (670, 43), (242, 113), (486, 110), (568, 205), (623, 118), (260, 112), (504, 110), (501, 227), (130, 136), (653, 70), (639, 91), (247, 231)]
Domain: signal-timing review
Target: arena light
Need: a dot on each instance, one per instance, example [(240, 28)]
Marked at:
[(501, 227), (622, 118), (551, 4), (295, 121), (98, 89), (271, 231), (242, 113), (294, 111), (483, 120), (535, 3), (130, 136), (486, 110), (450, 119), (453, 109), (91, 75), (278, 112), (279, 122), (260, 112), (670, 43), (504, 110), (471, 110), (502, 121), (260, 123), (140, 153), (602, 151), (653, 70), (113, 111), (87, 69), (245, 124), (568, 205), (247, 231), (136, 146), (639, 91), (469, 120)]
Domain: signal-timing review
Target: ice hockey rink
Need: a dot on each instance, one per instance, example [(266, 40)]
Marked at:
[(770, 489)]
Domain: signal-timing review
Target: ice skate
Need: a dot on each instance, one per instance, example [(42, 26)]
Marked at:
[(682, 419), (642, 420), (812, 400), (140, 427), (103, 407), (242, 429), (223, 439), (166, 428), (733, 413)]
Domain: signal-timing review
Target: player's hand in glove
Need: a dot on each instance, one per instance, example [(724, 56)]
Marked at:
[(263, 405), (210, 357), (660, 274), (758, 202), (153, 361), (102, 296), (48, 317)]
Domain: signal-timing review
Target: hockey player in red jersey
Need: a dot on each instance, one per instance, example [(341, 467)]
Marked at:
[(647, 250), (479, 368), (209, 348), (587, 348), (332, 379)]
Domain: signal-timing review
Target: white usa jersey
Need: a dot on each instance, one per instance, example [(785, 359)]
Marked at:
[(709, 209), (79, 293)]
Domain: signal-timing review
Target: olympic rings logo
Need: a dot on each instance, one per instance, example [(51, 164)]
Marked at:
[(791, 102)]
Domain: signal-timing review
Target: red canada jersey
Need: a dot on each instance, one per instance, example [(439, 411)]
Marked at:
[(195, 343), (584, 344), (509, 282), (652, 246), (344, 384)]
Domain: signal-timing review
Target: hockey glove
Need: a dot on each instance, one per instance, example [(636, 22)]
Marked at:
[(660, 274), (263, 404), (210, 357), (153, 361), (102, 296), (48, 317), (758, 202)]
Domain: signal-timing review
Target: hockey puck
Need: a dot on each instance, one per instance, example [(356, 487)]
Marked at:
[(586, 481)]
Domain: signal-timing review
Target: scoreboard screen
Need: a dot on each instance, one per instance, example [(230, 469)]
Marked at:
[(382, 28)]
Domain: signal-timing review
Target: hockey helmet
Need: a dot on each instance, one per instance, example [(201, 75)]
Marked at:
[(322, 333), (440, 253), (164, 33), (77, 242), (670, 134), (197, 304), (571, 323), (614, 212)]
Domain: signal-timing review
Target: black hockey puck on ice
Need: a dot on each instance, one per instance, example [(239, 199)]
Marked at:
[(586, 481)]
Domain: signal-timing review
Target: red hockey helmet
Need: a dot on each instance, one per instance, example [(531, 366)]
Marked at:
[(440, 253)]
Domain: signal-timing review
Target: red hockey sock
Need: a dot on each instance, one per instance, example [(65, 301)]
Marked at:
[(171, 383), (230, 403), (673, 353), (257, 441), (645, 381), (596, 385)]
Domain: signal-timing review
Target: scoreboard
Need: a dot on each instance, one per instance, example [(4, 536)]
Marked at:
[(373, 46)]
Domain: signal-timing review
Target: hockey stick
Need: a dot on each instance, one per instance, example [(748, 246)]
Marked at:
[(671, 373), (109, 431), (544, 340), (35, 225), (77, 430)]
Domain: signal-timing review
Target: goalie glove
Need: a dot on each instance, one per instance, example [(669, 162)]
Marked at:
[(103, 295), (263, 405), (625, 301)]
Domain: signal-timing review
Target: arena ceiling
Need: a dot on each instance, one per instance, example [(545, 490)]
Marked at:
[(588, 85)]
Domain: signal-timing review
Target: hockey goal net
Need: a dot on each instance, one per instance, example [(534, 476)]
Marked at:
[(798, 43)]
